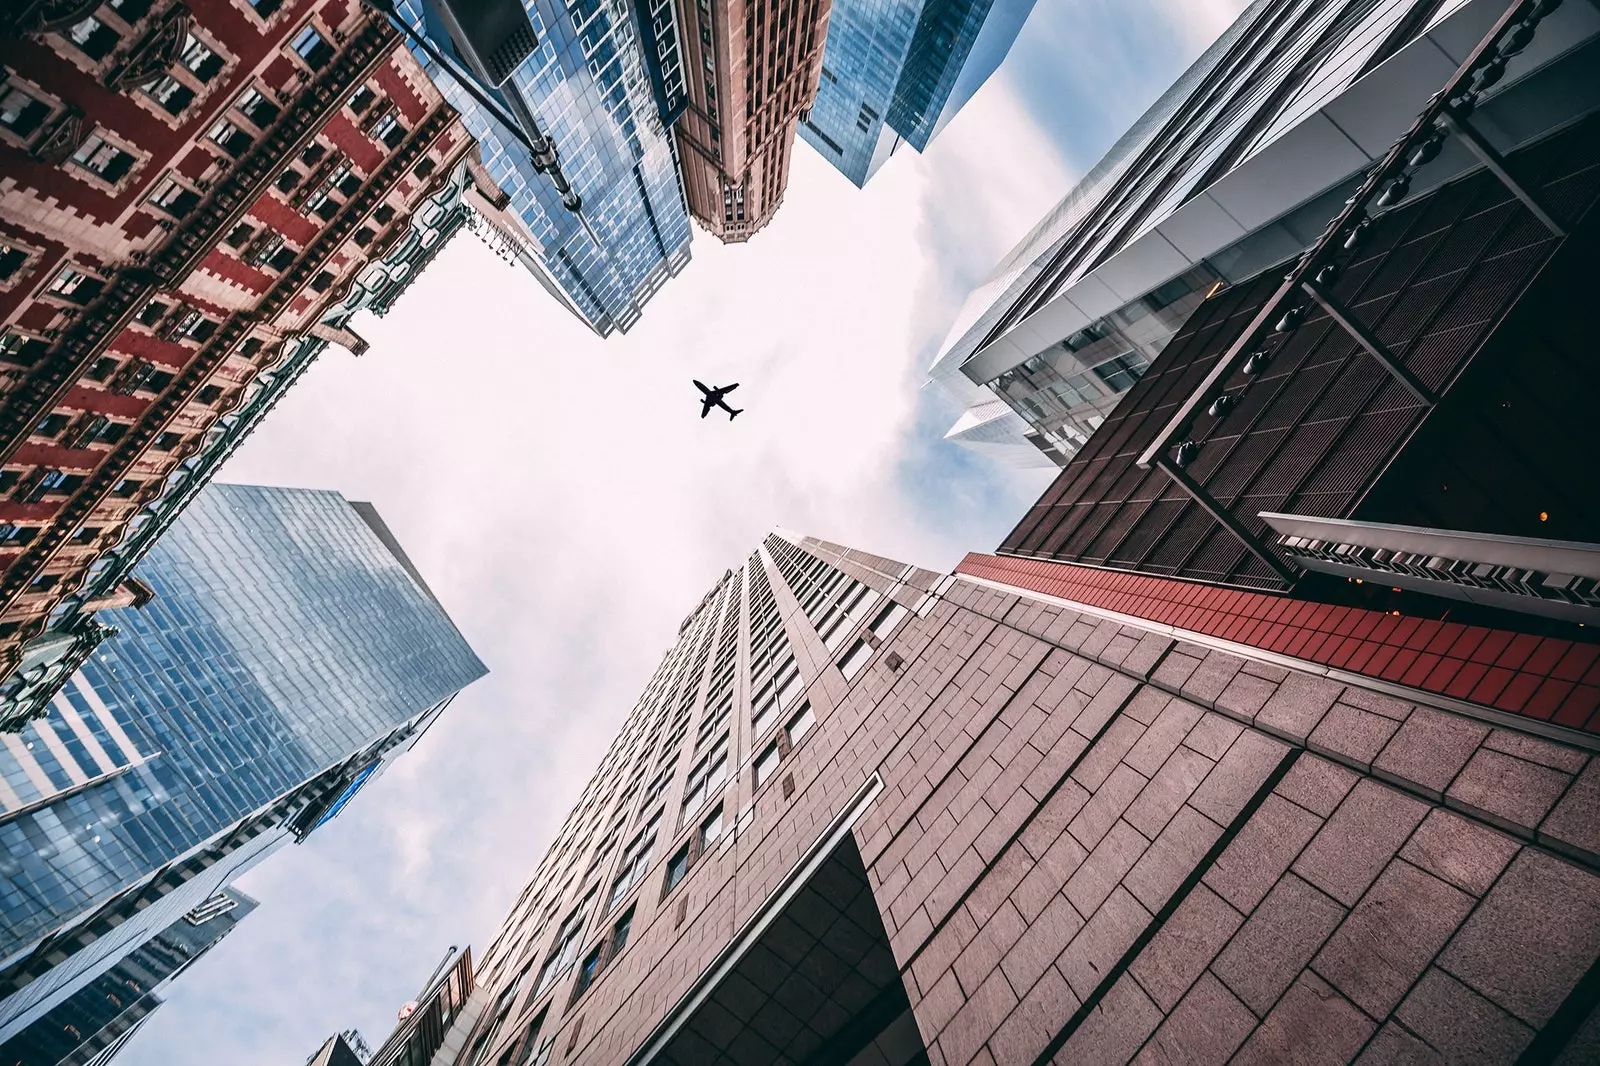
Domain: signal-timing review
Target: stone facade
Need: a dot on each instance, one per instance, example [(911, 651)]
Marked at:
[(1087, 840)]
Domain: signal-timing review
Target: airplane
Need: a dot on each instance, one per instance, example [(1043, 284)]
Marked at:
[(713, 398)]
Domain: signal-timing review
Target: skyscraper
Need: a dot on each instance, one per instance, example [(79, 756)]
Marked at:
[(97, 1020), (748, 76), (290, 650), (1235, 170), (1030, 813), (896, 72), (588, 87)]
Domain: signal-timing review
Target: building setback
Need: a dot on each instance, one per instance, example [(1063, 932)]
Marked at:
[(749, 72), (289, 653), (964, 819), (193, 201)]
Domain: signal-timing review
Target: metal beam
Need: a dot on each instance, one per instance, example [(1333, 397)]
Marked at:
[(1496, 165), (1226, 519), (1368, 340)]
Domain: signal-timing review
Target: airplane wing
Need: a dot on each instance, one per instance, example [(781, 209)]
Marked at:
[(728, 388), (706, 406), (701, 387)]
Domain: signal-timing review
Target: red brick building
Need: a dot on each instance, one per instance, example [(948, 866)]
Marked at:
[(866, 810), (185, 189)]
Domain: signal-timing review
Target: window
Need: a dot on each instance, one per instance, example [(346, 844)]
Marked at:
[(93, 38), (192, 325), (168, 441), (587, 971), (103, 159), (677, 869), (287, 180), (497, 1015), (322, 281), (127, 488), (705, 780), (266, 8), (852, 664), (19, 349), (199, 59), (209, 394), (565, 951), (362, 99), (766, 711), (1122, 371), (169, 93), (620, 931), (311, 48), (103, 368), (257, 108), (635, 862), (240, 235), (388, 130), (21, 112), (229, 138), (52, 424), (711, 830), (767, 764), (800, 725), (174, 198), (12, 260), (74, 285), (85, 535), (887, 619), (14, 536)]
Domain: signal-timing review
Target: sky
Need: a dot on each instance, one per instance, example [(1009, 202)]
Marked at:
[(568, 506)]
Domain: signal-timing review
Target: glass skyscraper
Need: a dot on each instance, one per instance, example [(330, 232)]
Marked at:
[(896, 71), (289, 641), (589, 88)]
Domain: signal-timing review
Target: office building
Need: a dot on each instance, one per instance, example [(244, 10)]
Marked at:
[(896, 73), (746, 75), (863, 809), (1231, 174), (289, 652), (194, 203), (96, 1021), (423, 1027), (588, 87)]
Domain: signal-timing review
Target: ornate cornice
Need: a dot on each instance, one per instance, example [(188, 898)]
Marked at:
[(43, 16), (56, 145), (154, 55)]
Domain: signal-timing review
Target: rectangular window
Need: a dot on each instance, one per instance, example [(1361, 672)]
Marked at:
[(229, 138), (790, 687), (711, 830), (766, 712), (705, 780), (174, 198), (171, 94), (257, 108), (800, 725), (677, 869), (310, 47), (74, 285), (767, 765), (21, 112), (12, 260), (852, 663), (887, 619), (588, 970), (634, 864), (200, 60), (620, 931), (565, 951), (93, 38), (103, 159)]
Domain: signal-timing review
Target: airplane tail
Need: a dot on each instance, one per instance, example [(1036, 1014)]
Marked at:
[(732, 414)]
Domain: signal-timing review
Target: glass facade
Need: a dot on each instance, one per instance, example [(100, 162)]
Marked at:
[(896, 71), (1274, 67), (286, 634), (588, 86), (105, 1010)]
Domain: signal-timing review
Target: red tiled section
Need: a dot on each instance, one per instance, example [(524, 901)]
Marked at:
[(1522, 673)]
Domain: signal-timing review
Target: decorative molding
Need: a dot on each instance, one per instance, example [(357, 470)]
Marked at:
[(155, 54)]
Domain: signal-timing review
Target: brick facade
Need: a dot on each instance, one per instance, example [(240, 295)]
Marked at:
[(302, 140), (1091, 841)]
